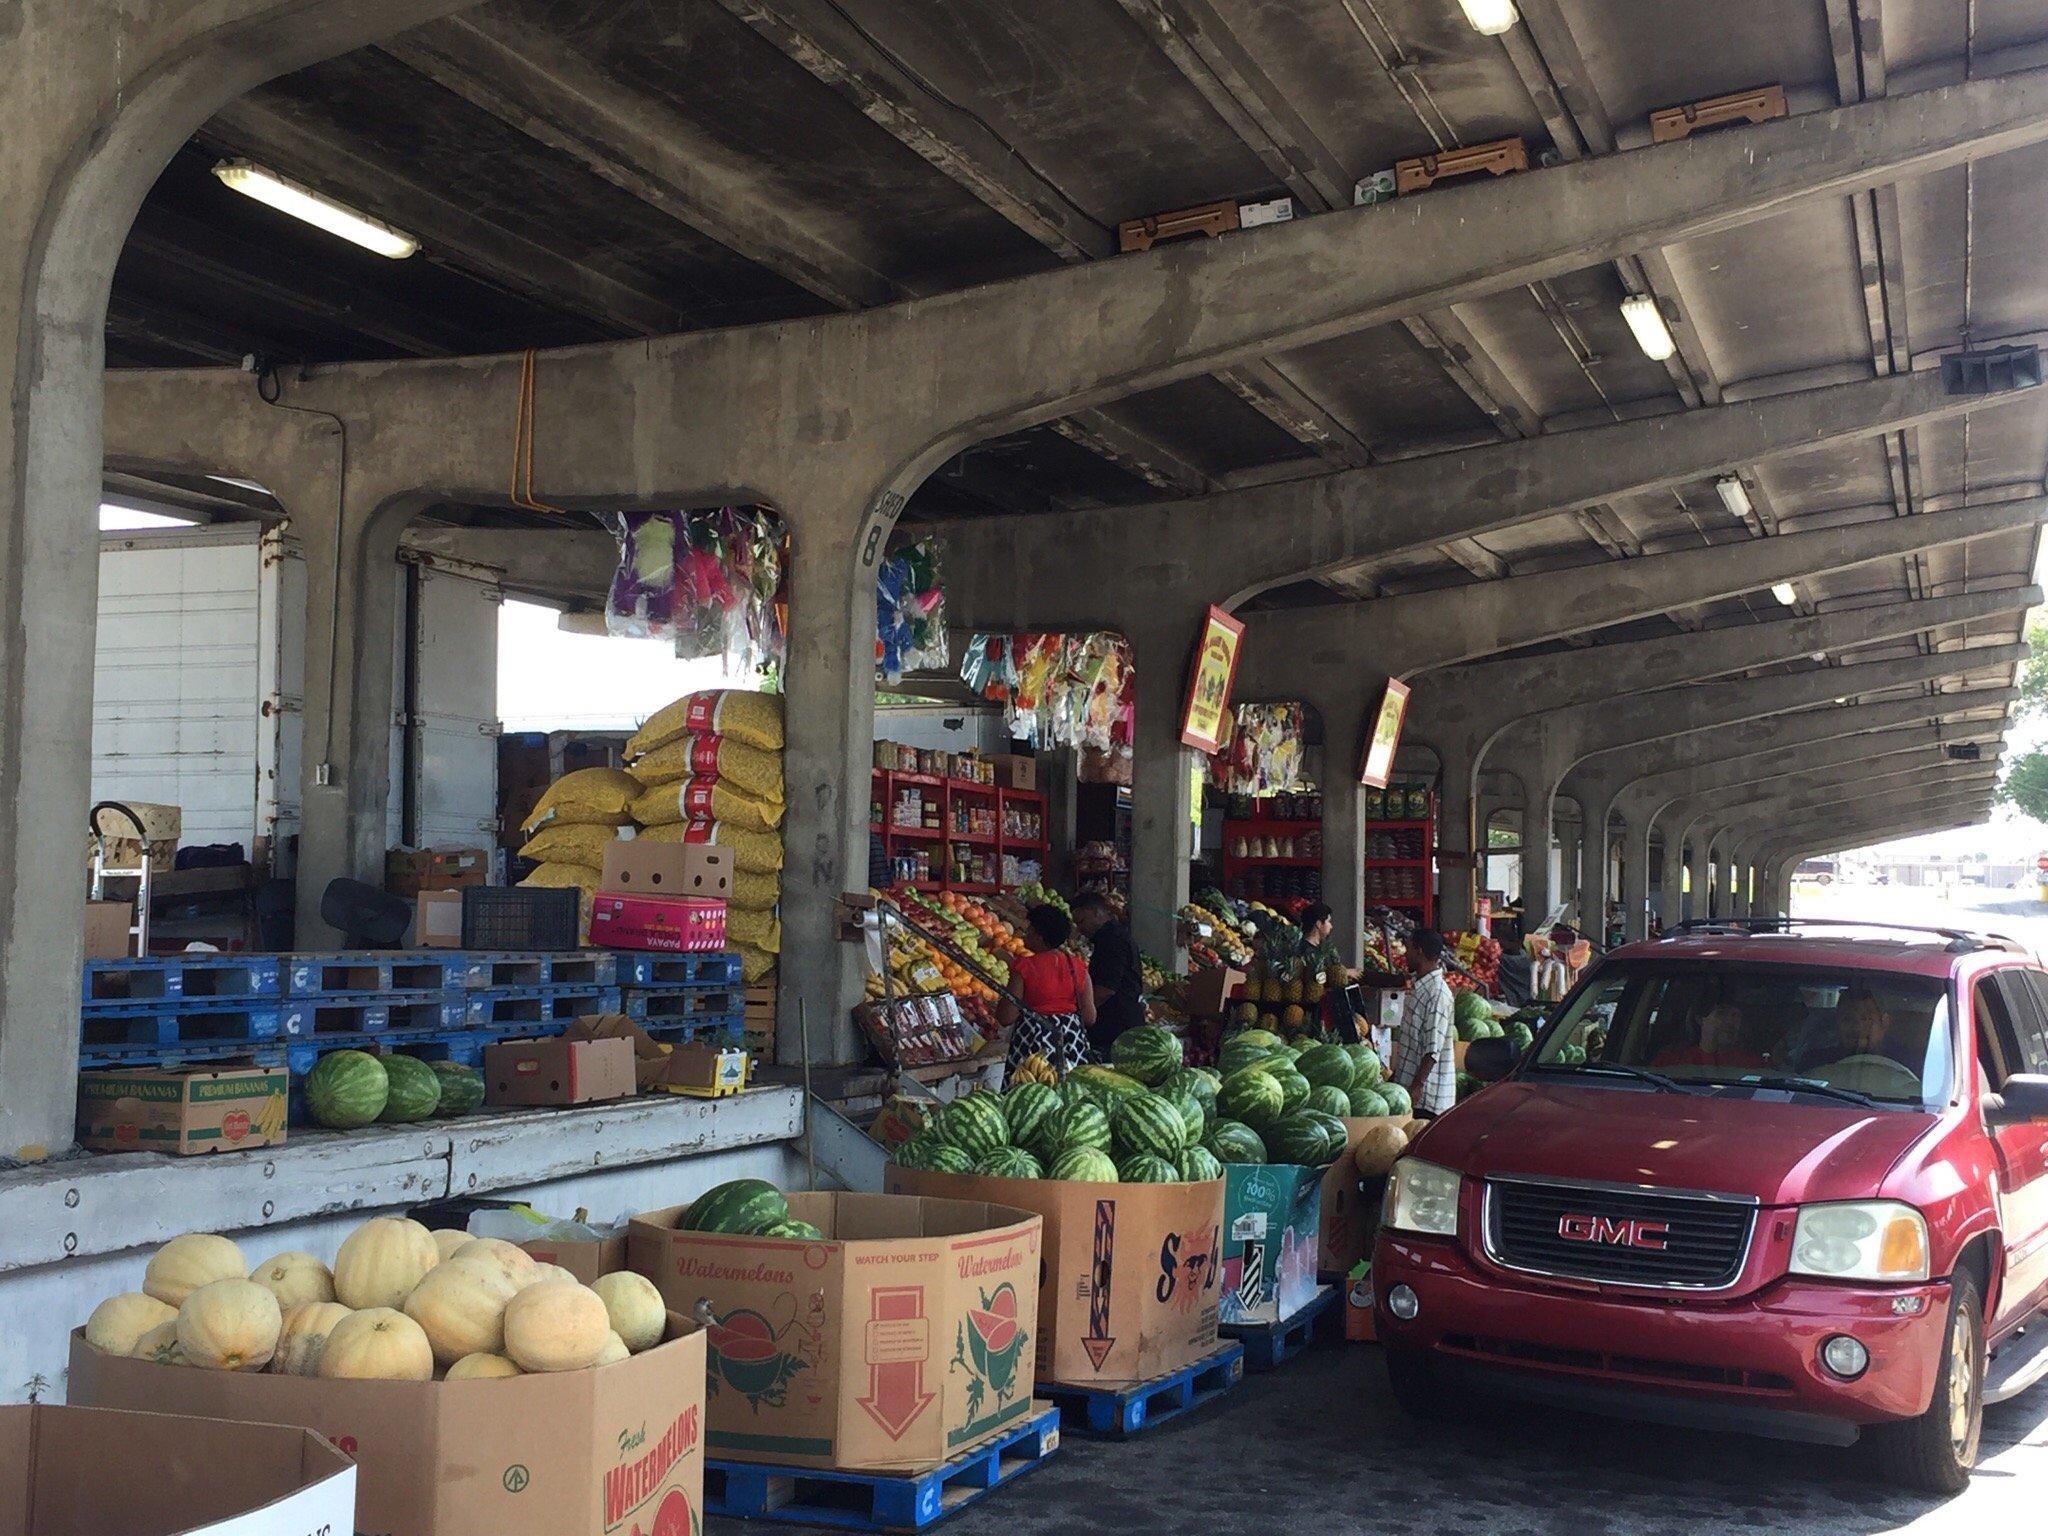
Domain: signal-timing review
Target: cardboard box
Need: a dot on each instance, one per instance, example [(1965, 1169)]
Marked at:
[(577, 1453), (903, 1338), (709, 1071), (1349, 1218), (1014, 770), (699, 870), (672, 926), (1270, 1240), (1130, 1285), (408, 871), (198, 1477), (1209, 992), (106, 929), (437, 919), (182, 1110), (586, 1259), (558, 1071)]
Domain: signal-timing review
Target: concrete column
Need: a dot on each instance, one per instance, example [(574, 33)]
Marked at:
[(1699, 874), (1537, 830), (1460, 832), (1571, 877), (1635, 881), (1162, 841), (1344, 821), (1671, 881)]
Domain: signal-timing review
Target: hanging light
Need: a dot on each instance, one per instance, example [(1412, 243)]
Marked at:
[(1785, 593), (315, 208), (1489, 18), (1645, 316)]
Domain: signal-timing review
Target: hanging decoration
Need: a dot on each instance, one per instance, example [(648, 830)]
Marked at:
[(1058, 690), (910, 612), (710, 582), (1262, 751)]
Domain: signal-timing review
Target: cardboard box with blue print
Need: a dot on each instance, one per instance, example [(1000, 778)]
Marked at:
[(1271, 1221)]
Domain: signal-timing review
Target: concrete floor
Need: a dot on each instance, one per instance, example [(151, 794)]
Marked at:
[(1319, 1449)]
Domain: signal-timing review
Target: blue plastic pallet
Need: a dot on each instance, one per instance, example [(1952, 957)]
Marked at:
[(716, 968), (530, 1008), (369, 974), (1269, 1344), (347, 1017), (680, 1005), (265, 1053), (179, 978), (1115, 1412), (195, 1021), (572, 968), (723, 1026), (869, 1501)]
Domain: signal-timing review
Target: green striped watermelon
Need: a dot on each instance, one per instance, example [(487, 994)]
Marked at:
[(1105, 1085), (1293, 1090), (1296, 1139), (1146, 1168), (346, 1090), (1330, 1101), (413, 1091), (975, 1124), (916, 1152), (1026, 1108), (1147, 1053), (1232, 1141), (1327, 1066), (462, 1089), (1398, 1102), (1198, 1165), (1250, 1094), (1336, 1136), (946, 1158), (1192, 1083), (1075, 1126), (1148, 1123), (1367, 1061), (1009, 1163), (1264, 1038), (1240, 1053), (1194, 1118), (792, 1229), (1366, 1104), (1083, 1165), (739, 1205)]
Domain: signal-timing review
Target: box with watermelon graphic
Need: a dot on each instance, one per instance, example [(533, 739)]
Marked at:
[(902, 1338), (1271, 1240), (1131, 1284)]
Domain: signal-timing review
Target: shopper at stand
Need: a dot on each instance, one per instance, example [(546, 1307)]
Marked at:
[(1059, 1003), (1425, 1062), (1113, 968)]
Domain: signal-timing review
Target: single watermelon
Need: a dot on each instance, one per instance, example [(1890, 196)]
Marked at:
[(414, 1092), (1192, 1083), (1148, 1124), (975, 1125), (1328, 1066), (916, 1152), (1074, 1127), (1198, 1165), (462, 1089), (1083, 1165), (1194, 1118), (1146, 1054), (1009, 1163), (792, 1229), (347, 1090), (1469, 1015), (1265, 1039), (1250, 1094), (1232, 1141), (1330, 1101), (738, 1205), (1397, 1100), (1026, 1108), (1293, 1090), (1367, 1061), (1519, 1035), (1146, 1168), (1336, 1136), (1243, 1052), (1366, 1104), (947, 1158), (1296, 1139), (1106, 1085)]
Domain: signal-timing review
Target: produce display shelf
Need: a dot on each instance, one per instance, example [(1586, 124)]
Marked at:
[(179, 977), (1115, 1412), (874, 1501), (972, 887), (1269, 1344)]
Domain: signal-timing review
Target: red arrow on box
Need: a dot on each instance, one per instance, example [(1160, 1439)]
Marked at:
[(899, 1343)]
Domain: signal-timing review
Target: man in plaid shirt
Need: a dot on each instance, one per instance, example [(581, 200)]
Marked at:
[(1425, 1062)]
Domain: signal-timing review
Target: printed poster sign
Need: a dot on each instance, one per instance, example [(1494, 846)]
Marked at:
[(1208, 708), (1385, 739)]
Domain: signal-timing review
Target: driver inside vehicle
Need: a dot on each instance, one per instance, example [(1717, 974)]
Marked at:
[(1859, 1028)]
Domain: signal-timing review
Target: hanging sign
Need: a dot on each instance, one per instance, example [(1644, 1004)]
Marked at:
[(1205, 720), (1385, 739)]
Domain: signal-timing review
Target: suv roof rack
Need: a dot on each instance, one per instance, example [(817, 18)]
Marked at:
[(1959, 940)]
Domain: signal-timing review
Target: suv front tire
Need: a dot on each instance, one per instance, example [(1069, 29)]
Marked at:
[(1935, 1452)]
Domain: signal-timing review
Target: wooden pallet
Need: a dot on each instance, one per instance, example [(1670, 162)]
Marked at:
[(1116, 1412), (1269, 1344), (1499, 157), (1681, 122)]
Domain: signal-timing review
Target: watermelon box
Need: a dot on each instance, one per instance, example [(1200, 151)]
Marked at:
[(1271, 1243), (608, 1452), (1130, 1285), (902, 1339)]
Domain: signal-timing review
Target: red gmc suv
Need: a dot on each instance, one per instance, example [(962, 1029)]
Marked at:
[(1761, 1176)]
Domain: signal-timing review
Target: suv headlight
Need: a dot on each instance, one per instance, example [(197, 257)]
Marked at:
[(1422, 1197), (1860, 1240)]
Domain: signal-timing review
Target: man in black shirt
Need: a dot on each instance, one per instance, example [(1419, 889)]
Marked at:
[(1113, 969)]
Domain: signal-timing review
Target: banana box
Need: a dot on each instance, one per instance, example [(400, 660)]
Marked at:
[(220, 1107)]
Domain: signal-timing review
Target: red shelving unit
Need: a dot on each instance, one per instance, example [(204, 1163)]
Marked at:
[(956, 820), (1400, 866), (1295, 871)]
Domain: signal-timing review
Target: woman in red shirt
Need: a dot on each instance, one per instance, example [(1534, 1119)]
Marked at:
[(1059, 1005)]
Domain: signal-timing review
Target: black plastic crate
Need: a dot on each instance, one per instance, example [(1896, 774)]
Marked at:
[(520, 917)]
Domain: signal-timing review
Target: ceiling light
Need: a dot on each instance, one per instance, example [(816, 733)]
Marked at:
[(1785, 593), (1490, 18), (314, 208), (1735, 496), (1645, 316)]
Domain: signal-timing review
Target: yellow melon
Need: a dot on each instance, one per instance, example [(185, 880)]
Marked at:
[(550, 1272), (514, 1261), (461, 1306), (481, 1368), (635, 1308), (449, 1239), (556, 1325), (1378, 1145), (295, 1277), (161, 1345), (118, 1323), (614, 1350), (303, 1335), (230, 1325), (186, 1263), (381, 1261), (377, 1344)]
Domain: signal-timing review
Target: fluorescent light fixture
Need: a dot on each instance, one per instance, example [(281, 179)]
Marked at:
[(115, 519), (1785, 593), (1646, 318), (315, 208), (1490, 18), (1734, 496)]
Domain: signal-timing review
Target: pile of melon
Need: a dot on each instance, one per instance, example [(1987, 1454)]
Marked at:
[(400, 1303)]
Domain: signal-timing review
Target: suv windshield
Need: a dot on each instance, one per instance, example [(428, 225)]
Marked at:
[(1861, 1035)]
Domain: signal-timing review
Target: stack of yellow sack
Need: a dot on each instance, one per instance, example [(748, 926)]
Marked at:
[(708, 769), (578, 815)]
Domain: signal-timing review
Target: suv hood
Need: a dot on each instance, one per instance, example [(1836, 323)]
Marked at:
[(1781, 1153)]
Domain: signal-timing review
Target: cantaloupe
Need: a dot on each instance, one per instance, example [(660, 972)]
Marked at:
[(635, 1308), (449, 1239), (549, 1272), (118, 1323), (461, 1306), (557, 1325), (381, 1261), (161, 1345), (481, 1368), (514, 1261), (186, 1263), (614, 1350), (377, 1344), (230, 1325), (303, 1335), (294, 1278), (1377, 1147)]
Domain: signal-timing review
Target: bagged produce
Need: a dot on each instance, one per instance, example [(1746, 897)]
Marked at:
[(753, 930), (755, 964), (753, 853), (753, 893), (589, 797), (695, 799), (571, 844), (750, 770), (752, 718)]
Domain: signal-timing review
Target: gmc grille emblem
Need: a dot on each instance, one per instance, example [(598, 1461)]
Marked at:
[(1614, 1232)]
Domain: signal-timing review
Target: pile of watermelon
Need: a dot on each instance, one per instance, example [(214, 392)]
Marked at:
[(745, 1208), (1286, 1104), (1472, 1018), (347, 1090)]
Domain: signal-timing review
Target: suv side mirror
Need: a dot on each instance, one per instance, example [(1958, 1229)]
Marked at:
[(2024, 1101), (1492, 1060)]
